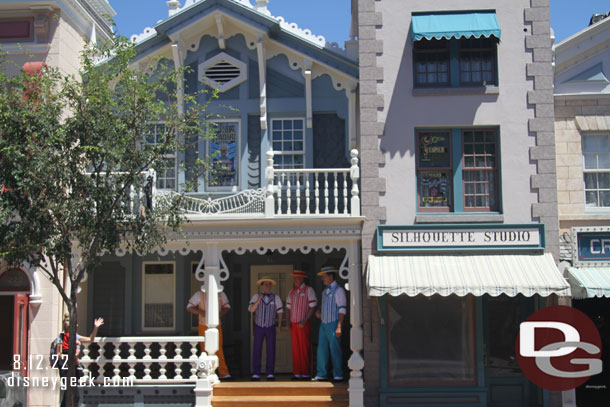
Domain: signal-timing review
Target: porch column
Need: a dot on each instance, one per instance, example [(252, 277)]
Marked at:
[(355, 362), (212, 271)]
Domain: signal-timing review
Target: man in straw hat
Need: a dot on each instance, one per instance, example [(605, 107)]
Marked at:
[(196, 306), (265, 306), (332, 315), (300, 303)]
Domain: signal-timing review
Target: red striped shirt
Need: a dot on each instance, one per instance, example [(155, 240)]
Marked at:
[(299, 301)]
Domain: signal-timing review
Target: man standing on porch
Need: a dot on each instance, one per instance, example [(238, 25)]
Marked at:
[(196, 306), (301, 304), (332, 313), (265, 306)]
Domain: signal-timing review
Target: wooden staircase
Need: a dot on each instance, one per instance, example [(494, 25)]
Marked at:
[(280, 394)]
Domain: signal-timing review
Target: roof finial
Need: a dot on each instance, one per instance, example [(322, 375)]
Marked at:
[(173, 6), (261, 6)]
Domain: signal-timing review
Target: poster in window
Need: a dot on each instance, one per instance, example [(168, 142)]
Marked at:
[(433, 189), (434, 150), (223, 151)]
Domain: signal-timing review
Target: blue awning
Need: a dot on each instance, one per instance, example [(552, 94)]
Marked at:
[(455, 25), (589, 282)]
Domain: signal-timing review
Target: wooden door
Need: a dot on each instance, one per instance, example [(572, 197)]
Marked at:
[(282, 274)]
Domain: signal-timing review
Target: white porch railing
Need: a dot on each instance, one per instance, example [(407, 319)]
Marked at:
[(143, 359)]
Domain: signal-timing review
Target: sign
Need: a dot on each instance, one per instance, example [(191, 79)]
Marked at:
[(224, 152), (462, 237), (559, 348), (591, 246)]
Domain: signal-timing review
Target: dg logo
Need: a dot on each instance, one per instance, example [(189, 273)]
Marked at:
[(559, 348)]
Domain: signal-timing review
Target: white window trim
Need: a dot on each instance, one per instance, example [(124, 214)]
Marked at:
[(143, 318), (293, 152), (174, 155), (592, 209), (233, 188)]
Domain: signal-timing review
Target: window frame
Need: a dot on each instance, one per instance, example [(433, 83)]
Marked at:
[(454, 71), (418, 52), (282, 152), (456, 170), (473, 169), (472, 305), (29, 38), (419, 169), (173, 156), (593, 171), (236, 163), (143, 299)]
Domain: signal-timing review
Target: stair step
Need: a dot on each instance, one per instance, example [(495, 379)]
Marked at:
[(305, 389), (289, 401)]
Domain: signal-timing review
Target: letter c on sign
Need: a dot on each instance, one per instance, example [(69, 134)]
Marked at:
[(592, 247)]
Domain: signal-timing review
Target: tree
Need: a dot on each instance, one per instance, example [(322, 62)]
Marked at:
[(74, 159)]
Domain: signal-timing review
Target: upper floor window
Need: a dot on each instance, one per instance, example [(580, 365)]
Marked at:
[(453, 49), (288, 137), (168, 167), (16, 30), (596, 170), (457, 170), (223, 148)]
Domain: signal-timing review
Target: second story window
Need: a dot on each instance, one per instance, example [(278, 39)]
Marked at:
[(457, 170), (288, 137), (455, 49), (596, 170), (168, 168)]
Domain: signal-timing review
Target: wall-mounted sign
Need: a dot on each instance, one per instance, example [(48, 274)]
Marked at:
[(591, 246), (460, 237)]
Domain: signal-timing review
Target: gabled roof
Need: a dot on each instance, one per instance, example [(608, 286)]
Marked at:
[(242, 13), (583, 44)]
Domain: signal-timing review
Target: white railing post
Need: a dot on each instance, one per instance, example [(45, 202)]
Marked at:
[(355, 362), (355, 176), (269, 176)]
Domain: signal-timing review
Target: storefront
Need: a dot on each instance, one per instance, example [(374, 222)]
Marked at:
[(451, 298), (589, 278)]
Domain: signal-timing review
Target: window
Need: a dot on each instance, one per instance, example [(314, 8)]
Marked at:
[(472, 59), (288, 143), (431, 58), (158, 296), (596, 170), (16, 30), (418, 353), (224, 154), (457, 170), (167, 169), (223, 72)]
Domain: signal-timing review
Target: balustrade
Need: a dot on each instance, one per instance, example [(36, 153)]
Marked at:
[(140, 359)]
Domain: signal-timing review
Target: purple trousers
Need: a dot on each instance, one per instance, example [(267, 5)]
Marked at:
[(269, 335)]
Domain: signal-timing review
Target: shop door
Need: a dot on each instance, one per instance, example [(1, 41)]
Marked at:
[(282, 274), (506, 384)]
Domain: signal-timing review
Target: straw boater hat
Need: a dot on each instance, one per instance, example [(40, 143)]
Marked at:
[(262, 280), (326, 270), (299, 273)]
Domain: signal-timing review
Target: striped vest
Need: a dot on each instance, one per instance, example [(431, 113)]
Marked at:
[(264, 316), (330, 311)]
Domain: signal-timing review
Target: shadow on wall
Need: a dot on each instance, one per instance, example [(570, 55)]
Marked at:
[(406, 112)]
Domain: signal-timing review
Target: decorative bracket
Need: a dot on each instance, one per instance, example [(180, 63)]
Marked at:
[(221, 34)]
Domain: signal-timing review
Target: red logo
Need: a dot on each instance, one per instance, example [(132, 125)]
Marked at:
[(559, 348)]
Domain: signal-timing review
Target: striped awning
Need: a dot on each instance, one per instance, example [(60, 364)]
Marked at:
[(449, 25), (589, 282), (509, 274)]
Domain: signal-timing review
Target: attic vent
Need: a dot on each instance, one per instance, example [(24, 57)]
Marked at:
[(223, 72)]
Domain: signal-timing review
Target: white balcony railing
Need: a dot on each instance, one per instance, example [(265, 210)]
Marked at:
[(143, 359), (309, 192)]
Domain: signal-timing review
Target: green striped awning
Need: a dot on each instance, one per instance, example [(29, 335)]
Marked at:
[(589, 282), (509, 274)]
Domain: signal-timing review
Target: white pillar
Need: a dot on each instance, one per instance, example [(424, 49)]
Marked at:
[(262, 80), (269, 175), (355, 176), (355, 362), (212, 271), (308, 98)]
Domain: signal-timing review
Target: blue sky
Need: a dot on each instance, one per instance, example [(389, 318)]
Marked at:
[(331, 18)]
